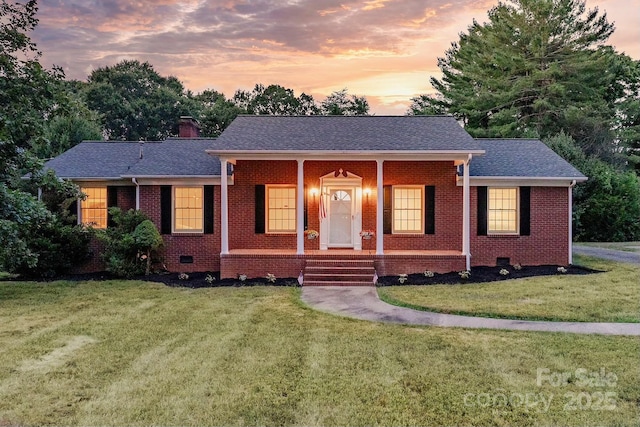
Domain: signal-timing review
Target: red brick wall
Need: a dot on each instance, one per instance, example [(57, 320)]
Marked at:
[(258, 265), (204, 248), (448, 227), (549, 239), (126, 198)]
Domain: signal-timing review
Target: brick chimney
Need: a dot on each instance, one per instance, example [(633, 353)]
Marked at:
[(188, 127)]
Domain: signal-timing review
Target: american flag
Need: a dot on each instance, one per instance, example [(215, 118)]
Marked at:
[(323, 209)]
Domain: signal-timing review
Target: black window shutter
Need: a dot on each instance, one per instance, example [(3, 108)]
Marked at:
[(525, 211), (112, 201), (73, 210), (306, 209), (482, 211), (430, 209), (386, 212), (165, 209), (208, 209), (260, 193)]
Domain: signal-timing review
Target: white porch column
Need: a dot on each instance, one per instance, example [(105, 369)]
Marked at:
[(466, 244), (224, 208), (380, 209), (300, 209)]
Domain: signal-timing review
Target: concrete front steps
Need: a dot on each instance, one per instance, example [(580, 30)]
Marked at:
[(338, 272)]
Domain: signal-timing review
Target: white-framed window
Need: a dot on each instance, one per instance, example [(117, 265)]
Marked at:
[(281, 209), (502, 210), (188, 209), (93, 209), (408, 209)]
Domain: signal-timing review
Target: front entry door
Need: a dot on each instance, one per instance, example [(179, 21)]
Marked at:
[(341, 217)]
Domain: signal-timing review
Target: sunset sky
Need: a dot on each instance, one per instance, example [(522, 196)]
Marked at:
[(385, 50)]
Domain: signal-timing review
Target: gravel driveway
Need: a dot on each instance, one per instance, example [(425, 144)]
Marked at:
[(609, 254)]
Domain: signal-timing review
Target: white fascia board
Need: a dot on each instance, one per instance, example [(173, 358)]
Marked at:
[(501, 181), (361, 155), (174, 180), (100, 181)]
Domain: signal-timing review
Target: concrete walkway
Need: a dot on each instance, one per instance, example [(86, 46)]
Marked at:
[(609, 254), (362, 302)]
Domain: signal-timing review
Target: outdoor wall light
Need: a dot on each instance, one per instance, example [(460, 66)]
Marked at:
[(314, 192), (367, 192)]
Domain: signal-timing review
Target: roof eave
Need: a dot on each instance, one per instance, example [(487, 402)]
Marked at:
[(348, 154), (533, 181)]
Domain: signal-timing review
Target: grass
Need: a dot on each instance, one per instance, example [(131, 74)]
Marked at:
[(613, 296), (135, 353), (619, 246)]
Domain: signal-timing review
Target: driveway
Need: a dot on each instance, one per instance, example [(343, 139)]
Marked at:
[(608, 254), (362, 302)]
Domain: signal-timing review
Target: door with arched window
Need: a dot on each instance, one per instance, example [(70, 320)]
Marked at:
[(341, 217)]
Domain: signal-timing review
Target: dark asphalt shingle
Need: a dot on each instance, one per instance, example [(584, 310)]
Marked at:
[(345, 133), (179, 157), (520, 158)]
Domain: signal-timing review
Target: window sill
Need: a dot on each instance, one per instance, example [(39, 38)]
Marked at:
[(505, 236), (187, 234), (413, 235)]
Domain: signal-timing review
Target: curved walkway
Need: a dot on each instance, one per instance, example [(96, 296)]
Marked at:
[(362, 302)]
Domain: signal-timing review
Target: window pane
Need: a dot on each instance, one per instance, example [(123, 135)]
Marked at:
[(281, 212), (93, 210), (503, 210), (188, 209), (407, 209)]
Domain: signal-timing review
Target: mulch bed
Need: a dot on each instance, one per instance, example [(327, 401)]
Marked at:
[(478, 275), (483, 275)]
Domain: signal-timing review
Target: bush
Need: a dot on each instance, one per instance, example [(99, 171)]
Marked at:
[(129, 243), (607, 206), (34, 241)]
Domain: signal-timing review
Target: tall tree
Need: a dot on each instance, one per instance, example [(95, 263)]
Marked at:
[(340, 103), (33, 239), (537, 66), (136, 102), (217, 112), (274, 100), (29, 93)]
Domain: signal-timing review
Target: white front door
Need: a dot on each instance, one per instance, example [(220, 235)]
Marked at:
[(341, 217)]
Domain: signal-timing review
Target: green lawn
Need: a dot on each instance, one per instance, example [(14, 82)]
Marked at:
[(613, 296), (134, 353)]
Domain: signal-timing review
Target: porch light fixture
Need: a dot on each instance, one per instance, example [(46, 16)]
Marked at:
[(313, 192), (367, 192)]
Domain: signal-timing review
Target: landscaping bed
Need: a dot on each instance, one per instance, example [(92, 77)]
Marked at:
[(485, 274), (211, 279)]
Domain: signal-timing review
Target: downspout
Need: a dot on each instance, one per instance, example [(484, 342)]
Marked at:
[(573, 184), (137, 193), (466, 216)]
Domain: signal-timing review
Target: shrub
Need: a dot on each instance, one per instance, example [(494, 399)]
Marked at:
[(147, 239), (125, 243), (35, 241)]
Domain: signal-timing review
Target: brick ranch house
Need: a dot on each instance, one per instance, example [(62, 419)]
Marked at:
[(431, 196)]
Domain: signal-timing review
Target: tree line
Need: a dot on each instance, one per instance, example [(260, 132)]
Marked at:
[(536, 69)]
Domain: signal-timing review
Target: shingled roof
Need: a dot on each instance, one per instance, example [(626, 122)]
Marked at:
[(523, 158), (115, 160), (345, 134)]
